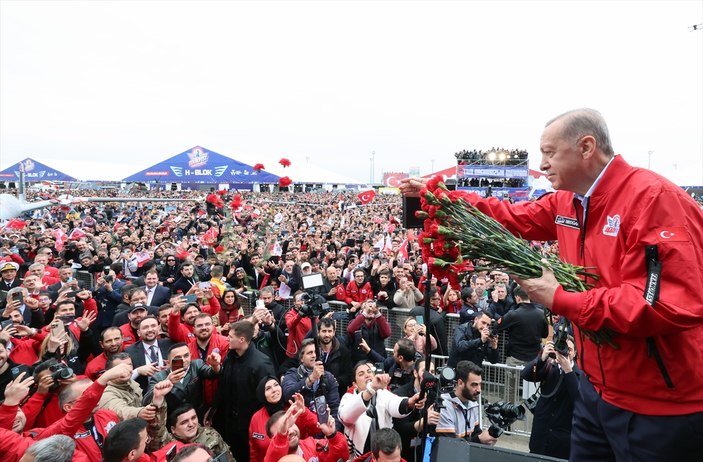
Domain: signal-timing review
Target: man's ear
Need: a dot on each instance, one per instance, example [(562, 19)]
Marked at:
[(587, 146)]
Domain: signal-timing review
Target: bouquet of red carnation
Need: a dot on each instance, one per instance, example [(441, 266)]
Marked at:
[(456, 232)]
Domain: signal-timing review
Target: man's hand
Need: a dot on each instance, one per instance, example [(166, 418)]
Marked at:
[(18, 389), (148, 370), (318, 370), (24, 331), (148, 413), (432, 416), (485, 438), (485, 335), (122, 371), (85, 322), (363, 346), (548, 348), (328, 428), (540, 290), (175, 376), (564, 362), (411, 186), (45, 384), (161, 389), (214, 360)]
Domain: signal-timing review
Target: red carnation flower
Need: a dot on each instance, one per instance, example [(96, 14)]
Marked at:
[(219, 249), (285, 162), (236, 202), (258, 167), (284, 181), (222, 192)]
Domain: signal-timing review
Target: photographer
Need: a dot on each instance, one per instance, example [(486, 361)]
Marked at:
[(298, 323), (42, 408), (558, 376), (459, 418), (368, 331), (474, 342)]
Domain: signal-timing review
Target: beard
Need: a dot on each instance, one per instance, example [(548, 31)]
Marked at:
[(466, 394)]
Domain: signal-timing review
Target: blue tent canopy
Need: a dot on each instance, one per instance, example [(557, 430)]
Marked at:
[(199, 165), (33, 171)]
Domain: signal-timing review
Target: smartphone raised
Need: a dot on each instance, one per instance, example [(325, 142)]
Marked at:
[(57, 328), (176, 364), (357, 338), (321, 409), (171, 453), (6, 323), (192, 298), (19, 296), (420, 320)]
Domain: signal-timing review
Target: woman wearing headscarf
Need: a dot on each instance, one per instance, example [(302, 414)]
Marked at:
[(270, 394)]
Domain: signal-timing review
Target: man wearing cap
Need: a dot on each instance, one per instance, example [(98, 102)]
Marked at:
[(9, 279), (136, 313)]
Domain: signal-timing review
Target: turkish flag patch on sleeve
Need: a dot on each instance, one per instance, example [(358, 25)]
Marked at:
[(672, 234)]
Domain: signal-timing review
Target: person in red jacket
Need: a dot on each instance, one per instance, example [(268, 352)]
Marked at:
[(14, 445), (298, 326), (357, 291), (643, 236), (202, 343), (285, 438), (111, 343)]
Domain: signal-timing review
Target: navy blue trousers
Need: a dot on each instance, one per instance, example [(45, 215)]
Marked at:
[(603, 432)]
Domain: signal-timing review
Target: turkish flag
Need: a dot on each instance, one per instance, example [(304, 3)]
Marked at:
[(76, 234), (16, 224), (366, 196)]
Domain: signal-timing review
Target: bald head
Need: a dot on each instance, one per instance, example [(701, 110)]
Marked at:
[(578, 123)]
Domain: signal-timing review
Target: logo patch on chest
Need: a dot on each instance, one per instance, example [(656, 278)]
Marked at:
[(567, 221), (612, 227)]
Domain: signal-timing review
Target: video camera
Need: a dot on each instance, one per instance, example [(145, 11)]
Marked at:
[(502, 415), (315, 305), (444, 381)]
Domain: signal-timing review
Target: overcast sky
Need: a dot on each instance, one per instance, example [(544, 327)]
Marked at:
[(329, 82)]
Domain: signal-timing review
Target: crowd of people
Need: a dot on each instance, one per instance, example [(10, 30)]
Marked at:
[(132, 300), (124, 336)]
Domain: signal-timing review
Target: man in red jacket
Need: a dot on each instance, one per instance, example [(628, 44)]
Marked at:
[(13, 445), (357, 291), (643, 236)]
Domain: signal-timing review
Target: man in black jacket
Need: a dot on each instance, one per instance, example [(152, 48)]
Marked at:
[(236, 401), (474, 342), (334, 354), (559, 378), (526, 326)]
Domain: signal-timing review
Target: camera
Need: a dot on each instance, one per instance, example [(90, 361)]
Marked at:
[(380, 369), (502, 415), (314, 305), (494, 328), (59, 372), (560, 346)]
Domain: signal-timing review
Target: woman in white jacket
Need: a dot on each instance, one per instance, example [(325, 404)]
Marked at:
[(368, 405)]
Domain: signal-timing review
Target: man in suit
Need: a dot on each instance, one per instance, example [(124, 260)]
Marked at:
[(150, 349), (156, 295), (66, 279), (9, 279)]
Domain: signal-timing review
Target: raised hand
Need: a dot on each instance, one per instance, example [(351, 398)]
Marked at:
[(18, 389)]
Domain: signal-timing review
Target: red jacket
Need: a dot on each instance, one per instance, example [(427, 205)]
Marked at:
[(25, 350), (129, 335), (298, 326), (13, 446), (259, 440), (40, 415), (103, 421), (353, 293), (313, 450), (179, 332), (630, 208), (96, 366)]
